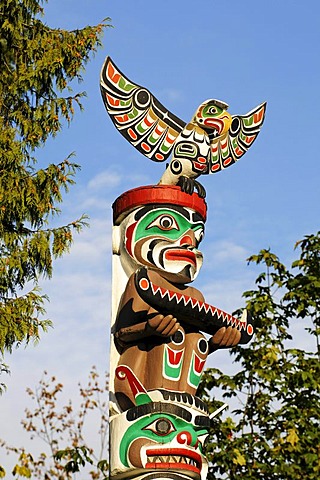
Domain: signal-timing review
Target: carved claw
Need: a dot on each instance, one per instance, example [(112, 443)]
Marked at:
[(186, 184), (201, 190)]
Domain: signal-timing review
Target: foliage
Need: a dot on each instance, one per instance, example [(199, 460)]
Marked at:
[(38, 64), (275, 432), (63, 429), (273, 435)]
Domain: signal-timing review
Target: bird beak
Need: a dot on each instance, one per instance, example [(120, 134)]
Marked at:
[(221, 124)]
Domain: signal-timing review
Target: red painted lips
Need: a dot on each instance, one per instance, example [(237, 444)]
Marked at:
[(181, 255), (176, 458)]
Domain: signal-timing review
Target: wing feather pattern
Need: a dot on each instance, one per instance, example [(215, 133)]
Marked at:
[(138, 115), (227, 149)]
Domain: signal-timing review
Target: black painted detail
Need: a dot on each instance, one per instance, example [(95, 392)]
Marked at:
[(202, 421), (190, 399), (203, 345), (186, 184), (158, 407), (176, 167), (205, 317), (142, 98), (235, 126), (178, 337)]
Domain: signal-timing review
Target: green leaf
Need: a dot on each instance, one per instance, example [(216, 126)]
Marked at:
[(292, 437), (239, 459)]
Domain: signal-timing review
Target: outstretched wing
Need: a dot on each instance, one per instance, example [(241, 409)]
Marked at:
[(244, 129), (138, 115)]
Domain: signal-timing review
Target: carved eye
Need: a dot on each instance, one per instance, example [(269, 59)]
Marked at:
[(176, 167), (178, 337), (212, 110), (161, 426), (203, 346), (164, 222), (142, 98)]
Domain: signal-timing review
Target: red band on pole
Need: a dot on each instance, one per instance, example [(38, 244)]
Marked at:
[(156, 194)]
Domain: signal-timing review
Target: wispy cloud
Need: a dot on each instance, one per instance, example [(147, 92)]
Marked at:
[(225, 251), (107, 179), (172, 94)]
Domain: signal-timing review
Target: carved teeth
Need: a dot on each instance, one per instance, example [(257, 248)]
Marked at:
[(172, 459), (197, 304)]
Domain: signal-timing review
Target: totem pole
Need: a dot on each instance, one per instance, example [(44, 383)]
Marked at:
[(162, 330)]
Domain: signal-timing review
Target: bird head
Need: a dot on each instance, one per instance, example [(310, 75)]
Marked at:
[(212, 116)]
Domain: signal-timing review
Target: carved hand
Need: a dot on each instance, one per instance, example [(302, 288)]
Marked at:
[(162, 325), (224, 337)]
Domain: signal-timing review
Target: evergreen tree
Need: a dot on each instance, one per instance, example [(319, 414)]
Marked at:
[(38, 63), (275, 432)]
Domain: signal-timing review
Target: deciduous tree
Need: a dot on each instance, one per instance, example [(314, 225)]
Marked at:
[(274, 433), (62, 428)]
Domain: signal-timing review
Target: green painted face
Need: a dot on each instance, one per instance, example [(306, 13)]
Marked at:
[(168, 224), (166, 238), (159, 428)]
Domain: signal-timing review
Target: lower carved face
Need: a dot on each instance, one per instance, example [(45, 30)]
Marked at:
[(165, 442), (165, 238)]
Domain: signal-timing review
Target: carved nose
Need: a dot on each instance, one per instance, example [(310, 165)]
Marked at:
[(188, 239), (187, 438)]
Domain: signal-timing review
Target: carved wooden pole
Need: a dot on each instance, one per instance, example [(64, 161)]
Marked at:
[(162, 328)]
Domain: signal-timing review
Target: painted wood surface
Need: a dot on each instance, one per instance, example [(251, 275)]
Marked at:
[(162, 329)]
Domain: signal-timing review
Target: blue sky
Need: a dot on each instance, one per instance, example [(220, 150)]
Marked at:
[(184, 52)]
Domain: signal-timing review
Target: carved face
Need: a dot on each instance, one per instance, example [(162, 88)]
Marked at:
[(212, 116), (183, 360), (168, 439), (165, 238)]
